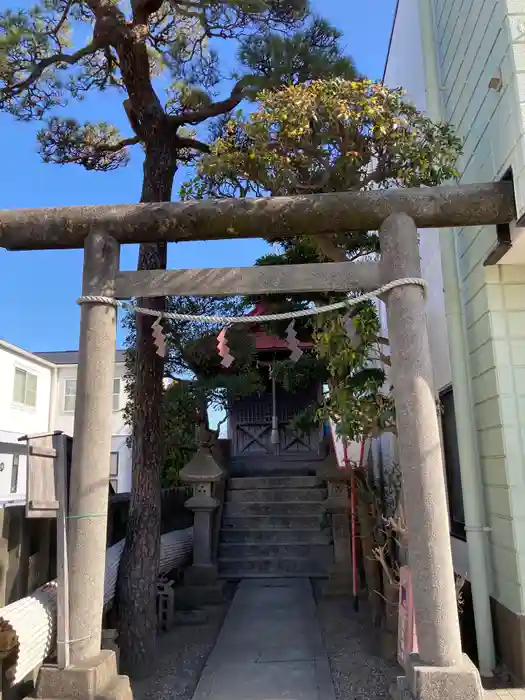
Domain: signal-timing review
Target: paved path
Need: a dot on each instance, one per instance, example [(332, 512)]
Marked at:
[(270, 646)]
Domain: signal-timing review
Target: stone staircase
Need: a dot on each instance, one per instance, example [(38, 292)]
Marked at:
[(272, 527)]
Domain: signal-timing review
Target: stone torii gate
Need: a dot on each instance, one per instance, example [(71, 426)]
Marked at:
[(440, 670)]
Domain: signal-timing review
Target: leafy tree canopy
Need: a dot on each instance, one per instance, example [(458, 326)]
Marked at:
[(330, 135), (327, 135)]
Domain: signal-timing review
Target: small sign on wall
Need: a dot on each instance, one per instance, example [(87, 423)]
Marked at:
[(48, 467), (406, 631), (41, 494)]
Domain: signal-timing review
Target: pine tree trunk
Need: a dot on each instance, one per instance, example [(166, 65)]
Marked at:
[(140, 560)]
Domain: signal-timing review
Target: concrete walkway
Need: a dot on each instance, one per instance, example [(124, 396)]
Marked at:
[(270, 646)]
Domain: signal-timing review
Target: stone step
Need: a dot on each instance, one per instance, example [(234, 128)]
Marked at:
[(262, 522), (272, 482), (292, 566), (240, 574), (300, 550), (278, 535), (311, 495), (273, 509), (273, 466)]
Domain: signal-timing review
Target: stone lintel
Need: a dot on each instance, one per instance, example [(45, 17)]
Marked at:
[(251, 281)]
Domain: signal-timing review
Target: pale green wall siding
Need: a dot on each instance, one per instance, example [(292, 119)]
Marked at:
[(508, 323), (479, 40)]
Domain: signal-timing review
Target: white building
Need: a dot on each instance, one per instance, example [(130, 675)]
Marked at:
[(463, 62), (38, 395)]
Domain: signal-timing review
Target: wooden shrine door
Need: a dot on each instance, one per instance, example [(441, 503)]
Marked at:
[(251, 427)]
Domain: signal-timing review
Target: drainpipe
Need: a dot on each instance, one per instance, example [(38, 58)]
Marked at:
[(473, 500), (274, 436), (53, 394)]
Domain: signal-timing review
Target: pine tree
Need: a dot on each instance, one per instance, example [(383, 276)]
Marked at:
[(163, 58)]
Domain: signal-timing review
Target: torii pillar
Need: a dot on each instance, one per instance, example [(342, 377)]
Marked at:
[(90, 671), (440, 669)]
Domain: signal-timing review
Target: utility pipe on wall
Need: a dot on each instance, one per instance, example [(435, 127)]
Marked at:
[(472, 488), (274, 436)]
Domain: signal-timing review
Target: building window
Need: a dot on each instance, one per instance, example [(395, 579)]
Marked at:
[(116, 394), (452, 467), (70, 393), (24, 392), (113, 471), (14, 473)]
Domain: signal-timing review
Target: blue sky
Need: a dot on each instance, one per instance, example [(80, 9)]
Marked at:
[(38, 289)]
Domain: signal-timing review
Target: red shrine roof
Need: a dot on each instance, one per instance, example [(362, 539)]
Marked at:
[(263, 341)]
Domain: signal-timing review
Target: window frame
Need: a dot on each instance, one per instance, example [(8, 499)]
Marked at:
[(451, 464), (114, 474), (15, 473), (27, 373), (116, 395), (66, 396)]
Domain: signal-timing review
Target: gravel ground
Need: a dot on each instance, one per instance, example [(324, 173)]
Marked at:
[(181, 656), (358, 670)]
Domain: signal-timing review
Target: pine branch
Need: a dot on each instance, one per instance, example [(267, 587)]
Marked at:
[(94, 146), (214, 109), (63, 18), (329, 249), (194, 144), (116, 147), (40, 67)]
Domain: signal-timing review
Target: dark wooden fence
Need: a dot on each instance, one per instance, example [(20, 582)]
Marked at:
[(174, 516), (26, 559), (28, 546)]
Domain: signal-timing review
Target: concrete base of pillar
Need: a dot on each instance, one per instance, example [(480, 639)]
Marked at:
[(195, 596), (200, 575), (461, 682), (339, 583), (95, 678), (201, 586)]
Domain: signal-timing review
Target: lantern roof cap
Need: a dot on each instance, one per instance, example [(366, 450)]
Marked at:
[(202, 467)]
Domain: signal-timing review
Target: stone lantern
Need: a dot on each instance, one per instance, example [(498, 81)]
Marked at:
[(338, 505), (202, 472)]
